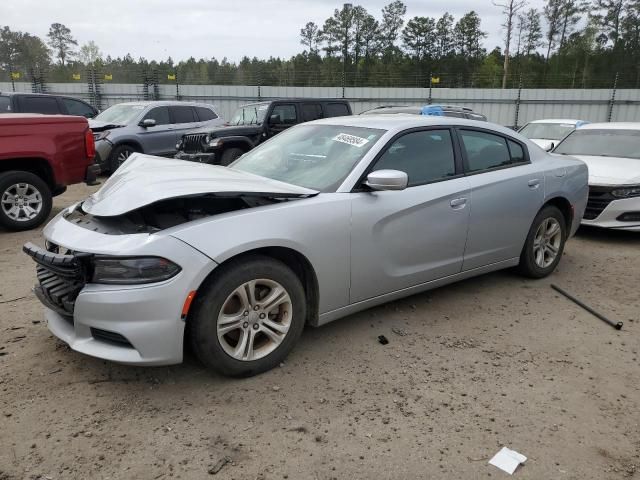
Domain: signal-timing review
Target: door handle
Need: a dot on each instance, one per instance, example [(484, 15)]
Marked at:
[(534, 183), (458, 203)]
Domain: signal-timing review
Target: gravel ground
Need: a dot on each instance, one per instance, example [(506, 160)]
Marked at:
[(492, 361)]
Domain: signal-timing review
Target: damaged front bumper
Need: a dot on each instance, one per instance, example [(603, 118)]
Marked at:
[(201, 157), (131, 324)]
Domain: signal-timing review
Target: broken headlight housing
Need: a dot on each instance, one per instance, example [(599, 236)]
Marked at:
[(132, 270)]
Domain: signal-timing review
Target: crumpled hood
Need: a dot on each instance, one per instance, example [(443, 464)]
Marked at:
[(611, 170), (98, 126), (146, 179)]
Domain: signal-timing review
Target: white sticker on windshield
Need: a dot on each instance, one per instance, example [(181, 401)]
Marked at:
[(350, 140)]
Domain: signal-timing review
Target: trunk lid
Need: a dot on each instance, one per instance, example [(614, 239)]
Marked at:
[(145, 179)]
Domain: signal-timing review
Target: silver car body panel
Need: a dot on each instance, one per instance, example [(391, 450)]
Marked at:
[(144, 179), (365, 248)]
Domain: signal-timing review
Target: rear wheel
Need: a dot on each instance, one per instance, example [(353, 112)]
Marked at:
[(230, 155), (248, 317), (25, 200), (545, 243), (119, 155)]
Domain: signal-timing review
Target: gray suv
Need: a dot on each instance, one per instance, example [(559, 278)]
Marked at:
[(147, 127)]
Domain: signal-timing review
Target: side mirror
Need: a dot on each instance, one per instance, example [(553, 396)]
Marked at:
[(387, 180), (547, 147), (148, 122), (274, 119)]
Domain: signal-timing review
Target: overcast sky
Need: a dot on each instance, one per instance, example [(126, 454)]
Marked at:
[(156, 29)]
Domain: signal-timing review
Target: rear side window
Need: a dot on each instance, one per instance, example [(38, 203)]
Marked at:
[(159, 114), (336, 110), (311, 111), (517, 153), (484, 150), (46, 105), (5, 104), (205, 114), (183, 114), (286, 114), (76, 107)]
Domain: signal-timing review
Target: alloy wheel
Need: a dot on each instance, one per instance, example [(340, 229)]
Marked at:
[(547, 242), (21, 202), (254, 319), (123, 155)]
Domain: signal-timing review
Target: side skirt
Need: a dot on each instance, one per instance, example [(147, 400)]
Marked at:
[(405, 292)]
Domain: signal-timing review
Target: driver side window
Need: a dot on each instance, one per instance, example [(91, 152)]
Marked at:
[(286, 114), (425, 156)]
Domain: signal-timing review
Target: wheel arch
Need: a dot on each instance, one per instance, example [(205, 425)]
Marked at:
[(129, 142), (297, 262), (565, 208), (38, 166)]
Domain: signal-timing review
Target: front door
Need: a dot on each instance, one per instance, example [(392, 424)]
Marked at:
[(282, 116), (405, 238), (161, 138)]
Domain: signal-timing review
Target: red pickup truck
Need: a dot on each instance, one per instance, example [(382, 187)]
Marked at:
[(39, 156)]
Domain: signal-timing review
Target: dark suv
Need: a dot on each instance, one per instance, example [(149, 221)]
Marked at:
[(11, 102), (251, 125)]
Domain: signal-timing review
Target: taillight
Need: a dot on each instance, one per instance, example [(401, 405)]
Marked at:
[(89, 143)]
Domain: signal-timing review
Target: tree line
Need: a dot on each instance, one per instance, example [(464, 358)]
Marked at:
[(568, 43)]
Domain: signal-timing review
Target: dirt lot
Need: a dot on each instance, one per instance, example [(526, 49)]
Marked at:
[(492, 361)]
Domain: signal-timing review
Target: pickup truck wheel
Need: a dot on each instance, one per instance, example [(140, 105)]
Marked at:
[(230, 155), (119, 155), (25, 200), (247, 317)]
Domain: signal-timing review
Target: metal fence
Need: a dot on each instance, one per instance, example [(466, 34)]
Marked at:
[(512, 107)]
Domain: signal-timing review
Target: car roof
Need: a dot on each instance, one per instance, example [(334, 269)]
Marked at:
[(399, 122), (612, 126), (296, 99), (559, 120), (165, 103)]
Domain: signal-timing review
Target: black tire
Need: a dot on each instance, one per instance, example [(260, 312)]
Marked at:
[(210, 300), (528, 266), (119, 154), (230, 155), (17, 222)]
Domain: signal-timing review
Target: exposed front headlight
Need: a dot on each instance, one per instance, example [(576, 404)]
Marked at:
[(626, 192), (214, 142), (132, 270), (179, 145), (101, 135)]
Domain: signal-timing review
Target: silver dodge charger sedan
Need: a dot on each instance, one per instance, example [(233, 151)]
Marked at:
[(325, 219)]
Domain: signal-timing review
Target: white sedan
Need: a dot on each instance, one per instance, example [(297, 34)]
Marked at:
[(548, 133), (612, 153)]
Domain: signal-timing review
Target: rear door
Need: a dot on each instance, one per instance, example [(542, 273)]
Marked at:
[(336, 109), (310, 111), (161, 138), (405, 238), (183, 119), (507, 192)]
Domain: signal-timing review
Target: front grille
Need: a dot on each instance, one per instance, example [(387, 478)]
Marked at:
[(60, 277), (599, 199), (193, 143)]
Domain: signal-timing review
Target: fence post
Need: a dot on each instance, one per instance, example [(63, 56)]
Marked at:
[(177, 85), (612, 101), (518, 98), (429, 100), (344, 75), (13, 82)]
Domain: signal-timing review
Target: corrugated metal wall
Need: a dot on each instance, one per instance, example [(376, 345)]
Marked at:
[(498, 105)]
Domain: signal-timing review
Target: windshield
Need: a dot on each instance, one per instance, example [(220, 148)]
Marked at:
[(120, 114), (313, 156), (547, 131), (249, 114), (602, 143)]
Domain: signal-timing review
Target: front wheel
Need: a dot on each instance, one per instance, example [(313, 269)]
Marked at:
[(248, 316), (119, 155), (25, 200), (545, 243), (230, 155)]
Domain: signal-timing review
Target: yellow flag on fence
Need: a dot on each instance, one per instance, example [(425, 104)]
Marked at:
[(435, 79), (108, 76), (171, 76), (15, 75), (76, 76)]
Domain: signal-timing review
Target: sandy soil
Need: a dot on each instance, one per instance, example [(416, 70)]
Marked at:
[(497, 360)]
